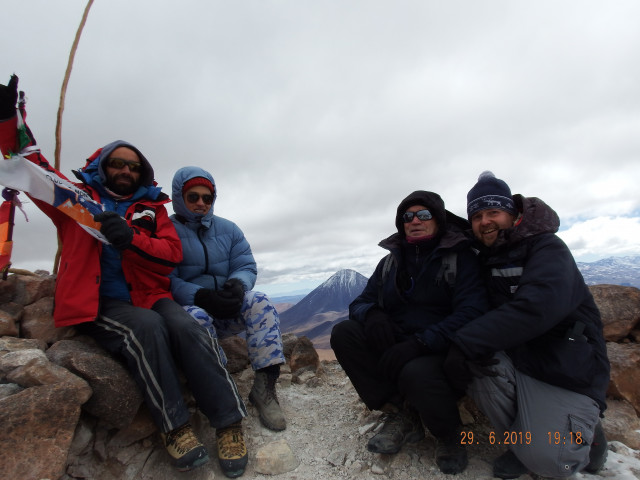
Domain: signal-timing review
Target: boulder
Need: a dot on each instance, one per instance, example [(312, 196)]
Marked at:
[(116, 397), (620, 309), (235, 348), (38, 425), (625, 374)]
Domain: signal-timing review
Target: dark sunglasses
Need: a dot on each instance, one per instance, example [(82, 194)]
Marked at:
[(193, 197), (423, 216), (121, 162)]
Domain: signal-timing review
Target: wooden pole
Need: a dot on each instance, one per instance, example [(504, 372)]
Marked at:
[(63, 94)]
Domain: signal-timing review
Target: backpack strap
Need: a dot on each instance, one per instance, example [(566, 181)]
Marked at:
[(389, 261), (448, 269)]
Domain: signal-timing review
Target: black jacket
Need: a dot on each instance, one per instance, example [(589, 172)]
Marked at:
[(544, 315), (415, 295)]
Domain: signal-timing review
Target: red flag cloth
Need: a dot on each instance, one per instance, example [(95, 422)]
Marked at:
[(6, 244)]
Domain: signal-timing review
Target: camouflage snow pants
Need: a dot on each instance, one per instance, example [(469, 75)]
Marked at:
[(260, 322)]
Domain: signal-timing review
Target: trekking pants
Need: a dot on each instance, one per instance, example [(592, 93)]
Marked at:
[(548, 428), (155, 344), (260, 322), (422, 383)]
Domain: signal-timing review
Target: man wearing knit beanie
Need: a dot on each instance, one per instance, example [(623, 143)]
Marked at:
[(537, 364)]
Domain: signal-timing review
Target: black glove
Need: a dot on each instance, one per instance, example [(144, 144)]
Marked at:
[(115, 228), (396, 357), (481, 367), (379, 330), (235, 287), (457, 369), (9, 98), (218, 303)]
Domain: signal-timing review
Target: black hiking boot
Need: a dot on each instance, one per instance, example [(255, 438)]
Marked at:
[(451, 455), (399, 428), (507, 465), (598, 452)]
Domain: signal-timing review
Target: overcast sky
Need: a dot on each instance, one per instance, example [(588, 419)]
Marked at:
[(317, 118)]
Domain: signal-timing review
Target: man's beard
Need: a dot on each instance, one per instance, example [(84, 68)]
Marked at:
[(121, 188)]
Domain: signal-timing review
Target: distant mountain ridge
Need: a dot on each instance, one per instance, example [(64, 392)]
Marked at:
[(612, 270), (323, 307), (315, 314)]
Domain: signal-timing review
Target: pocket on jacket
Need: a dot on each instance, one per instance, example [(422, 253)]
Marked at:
[(562, 362)]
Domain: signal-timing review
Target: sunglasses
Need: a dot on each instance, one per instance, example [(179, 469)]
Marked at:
[(121, 162), (423, 216), (193, 197)]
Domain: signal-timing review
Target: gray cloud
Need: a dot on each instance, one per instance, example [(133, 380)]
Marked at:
[(317, 118)]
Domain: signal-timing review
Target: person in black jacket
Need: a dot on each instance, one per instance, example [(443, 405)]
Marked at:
[(537, 363), (394, 343)]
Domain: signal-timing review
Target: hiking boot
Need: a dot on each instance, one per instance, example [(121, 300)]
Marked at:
[(232, 451), (451, 455), (399, 428), (184, 448), (507, 465), (263, 397), (598, 452)]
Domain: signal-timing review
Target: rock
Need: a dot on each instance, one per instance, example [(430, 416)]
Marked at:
[(625, 374), (37, 322), (31, 288), (304, 355), (11, 344), (289, 341), (37, 430), (621, 423), (116, 397), (10, 315), (235, 348), (619, 307), (19, 358), (275, 458)]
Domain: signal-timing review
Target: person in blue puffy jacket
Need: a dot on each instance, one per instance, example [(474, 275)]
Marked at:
[(214, 283)]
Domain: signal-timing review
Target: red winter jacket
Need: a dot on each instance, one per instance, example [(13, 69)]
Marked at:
[(153, 254)]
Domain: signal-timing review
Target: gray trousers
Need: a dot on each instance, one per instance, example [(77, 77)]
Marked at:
[(549, 429), (157, 344)]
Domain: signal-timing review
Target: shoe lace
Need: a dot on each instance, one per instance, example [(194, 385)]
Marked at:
[(392, 423), (183, 439), (231, 442)]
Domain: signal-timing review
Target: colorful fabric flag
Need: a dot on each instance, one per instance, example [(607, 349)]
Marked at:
[(18, 173)]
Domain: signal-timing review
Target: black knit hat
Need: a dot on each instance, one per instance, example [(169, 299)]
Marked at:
[(431, 200), (490, 192)]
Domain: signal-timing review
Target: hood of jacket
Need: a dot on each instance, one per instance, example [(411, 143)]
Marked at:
[(185, 215), (94, 173), (444, 218), (535, 217)]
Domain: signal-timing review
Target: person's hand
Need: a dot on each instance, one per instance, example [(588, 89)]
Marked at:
[(457, 369), (9, 98), (235, 287), (115, 229), (396, 357), (379, 330), (483, 367), (218, 303)]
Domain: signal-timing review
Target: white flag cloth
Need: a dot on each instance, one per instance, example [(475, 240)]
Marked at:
[(18, 173)]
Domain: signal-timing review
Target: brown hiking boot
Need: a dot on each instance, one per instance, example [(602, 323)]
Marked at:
[(184, 448), (263, 397), (232, 451)]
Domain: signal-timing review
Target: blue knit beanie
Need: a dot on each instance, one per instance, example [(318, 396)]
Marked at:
[(490, 192)]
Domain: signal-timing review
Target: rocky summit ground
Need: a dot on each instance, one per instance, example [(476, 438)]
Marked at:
[(328, 428)]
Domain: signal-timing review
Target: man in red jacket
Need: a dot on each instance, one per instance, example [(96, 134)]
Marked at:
[(118, 293)]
